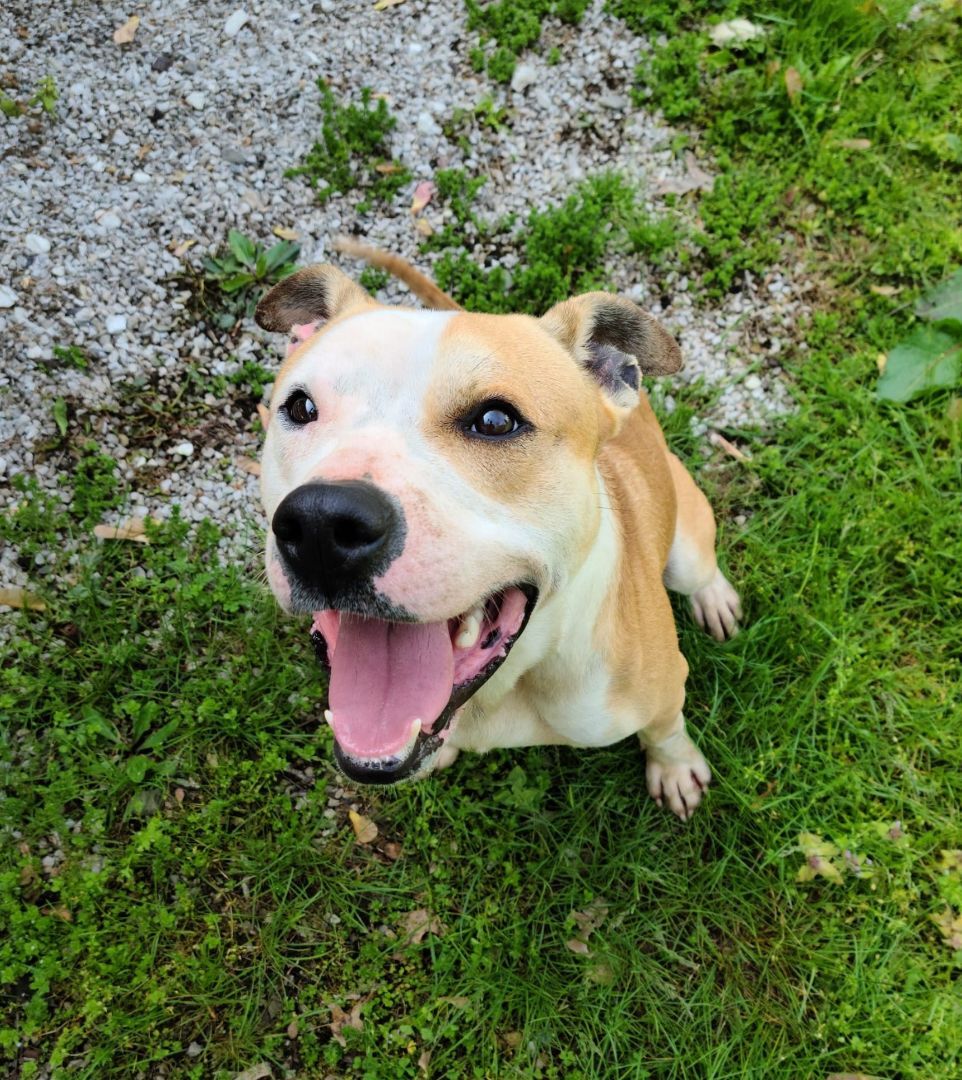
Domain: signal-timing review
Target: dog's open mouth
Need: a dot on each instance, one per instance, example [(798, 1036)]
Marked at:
[(394, 686)]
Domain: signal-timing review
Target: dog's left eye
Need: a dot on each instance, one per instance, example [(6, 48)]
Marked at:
[(494, 420), (300, 409)]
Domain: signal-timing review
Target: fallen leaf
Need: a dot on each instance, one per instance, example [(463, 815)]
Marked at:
[(694, 179), (255, 1072), (953, 410), (293, 1029), (16, 596), (884, 290), (124, 35), (734, 33), (950, 860), (590, 918), (60, 912), (793, 84), (182, 248), (365, 830), (418, 924), (880, 361), (382, 4), (730, 448), (423, 226), (144, 150), (284, 233), (340, 1019), (512, 1039), (423, 194), (424, 1060), (391, 850), (577, 946), (388, 168), (249, 465), (928, 359), (28, 874), (854, 144), (131, 529), (458, 1001)]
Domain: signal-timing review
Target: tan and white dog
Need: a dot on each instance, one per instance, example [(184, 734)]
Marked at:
[(481, 515)]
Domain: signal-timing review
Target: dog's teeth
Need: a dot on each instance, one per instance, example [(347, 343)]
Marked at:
[(329, 717), (470, 629)]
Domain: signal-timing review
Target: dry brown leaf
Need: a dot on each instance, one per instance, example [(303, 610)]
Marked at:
[(424, 1060), (292, 1029), (590, 918), (340, 1019), (249, 465), (418, 924), (255, 1072), (388, 168), (16, 596), (730, 448), (423, 226), (131, 529), (27, 874), (143, 150), (884, 290), (423, 194), (391, 850), (382, 4), (365, 831), (793, 84), (284, 233), (124, 35), (457, 1000), (855, 144), (950, 927), (512, 1039), (58, 913), (182, 248), (694, 179), (577, 946)]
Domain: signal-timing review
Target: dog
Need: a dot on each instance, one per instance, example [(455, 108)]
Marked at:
[(481, 516)]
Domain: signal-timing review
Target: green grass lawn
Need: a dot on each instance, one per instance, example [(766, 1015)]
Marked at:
[(205, 905)]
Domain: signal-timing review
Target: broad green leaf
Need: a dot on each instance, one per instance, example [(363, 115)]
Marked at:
[(242, 247), (160, 735), (281, 253), (928, 359), (136, 768), (60, 415), (942, 302), (239, 281)]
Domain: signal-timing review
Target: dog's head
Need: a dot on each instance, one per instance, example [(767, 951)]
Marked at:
[(428, 476)]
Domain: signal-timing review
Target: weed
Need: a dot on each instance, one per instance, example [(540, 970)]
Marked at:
[(511, 26), (353, 151), (232, 282), (44, 98), (372, 279), (71, 356)]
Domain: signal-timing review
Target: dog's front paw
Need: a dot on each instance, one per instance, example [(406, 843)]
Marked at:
[(717, 608), (677, 774)]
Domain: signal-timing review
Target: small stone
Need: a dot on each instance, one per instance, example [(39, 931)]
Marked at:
[(235, 22), (194, 1050), (141, 177), (37, 244), (525, 75), (116, 324), (109, 220), (7, 296), (196, 100), (236, 155), (183, 449), (163, 62), (617, 102), (121, 138), (427, 125)]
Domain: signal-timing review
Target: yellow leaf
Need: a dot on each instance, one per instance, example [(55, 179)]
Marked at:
[(855, 144), (884, 290), (16, 596), (950, 926), (387, 168), (364, 829), (423, 226), (793, 84), (132, 529), (284, 234), (382, 4), (124, 35)]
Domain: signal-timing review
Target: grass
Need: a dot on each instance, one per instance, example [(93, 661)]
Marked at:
[(185, 895)]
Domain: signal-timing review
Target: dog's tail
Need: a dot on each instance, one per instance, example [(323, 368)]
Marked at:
[(422, 286)]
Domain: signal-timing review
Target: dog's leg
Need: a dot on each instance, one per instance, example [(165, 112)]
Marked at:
[(675, 770), (692, 567)]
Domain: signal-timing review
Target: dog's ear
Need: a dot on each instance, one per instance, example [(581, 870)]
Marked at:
[(615, 341), (312, 295)]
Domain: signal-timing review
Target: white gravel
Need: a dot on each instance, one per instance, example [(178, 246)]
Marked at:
[(186, 132)]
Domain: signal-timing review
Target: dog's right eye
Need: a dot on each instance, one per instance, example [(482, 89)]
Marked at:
[(300, 409)]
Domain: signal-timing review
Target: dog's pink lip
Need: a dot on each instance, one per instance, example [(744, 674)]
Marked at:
[(400, 673)]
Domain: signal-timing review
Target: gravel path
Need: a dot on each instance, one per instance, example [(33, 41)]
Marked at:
[(186, 132)]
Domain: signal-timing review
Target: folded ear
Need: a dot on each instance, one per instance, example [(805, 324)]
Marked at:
[(615, 341), (312, 295)]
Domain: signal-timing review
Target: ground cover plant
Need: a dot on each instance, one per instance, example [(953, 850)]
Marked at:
[(185, 890)]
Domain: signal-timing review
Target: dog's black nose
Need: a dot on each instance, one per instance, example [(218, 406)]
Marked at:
[(332, 536)]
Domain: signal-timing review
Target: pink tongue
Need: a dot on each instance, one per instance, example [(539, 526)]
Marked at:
[(384, 676)]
